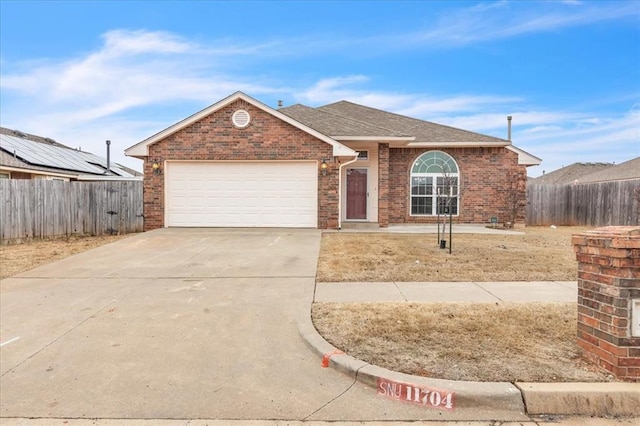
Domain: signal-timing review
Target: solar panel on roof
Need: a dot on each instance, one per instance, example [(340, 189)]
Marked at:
[(47, 155), (102, 162)]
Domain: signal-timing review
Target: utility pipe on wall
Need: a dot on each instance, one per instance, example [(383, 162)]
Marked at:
[(108, 171)]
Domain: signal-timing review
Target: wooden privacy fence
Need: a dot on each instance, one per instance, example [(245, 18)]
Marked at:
[(588, 204), (43, 208)]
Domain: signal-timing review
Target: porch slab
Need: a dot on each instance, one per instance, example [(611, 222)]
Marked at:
[(430, 229)]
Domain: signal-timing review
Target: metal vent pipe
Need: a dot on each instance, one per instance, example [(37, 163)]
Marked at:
[(508, 127), (108, 171)]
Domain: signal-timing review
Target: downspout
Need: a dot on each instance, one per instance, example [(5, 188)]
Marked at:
[(340, 189)]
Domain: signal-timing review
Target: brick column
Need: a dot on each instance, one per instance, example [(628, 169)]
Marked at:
[(383, 185), (608, 281)]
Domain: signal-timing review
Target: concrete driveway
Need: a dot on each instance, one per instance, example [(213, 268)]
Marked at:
[(179, 324)]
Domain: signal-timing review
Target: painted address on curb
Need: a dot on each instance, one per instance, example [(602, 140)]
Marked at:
[(428, 397)]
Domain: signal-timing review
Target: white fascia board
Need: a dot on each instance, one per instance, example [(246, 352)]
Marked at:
[(141, 149), (374, 138), (457, 144), (37, 172), (525, 158)]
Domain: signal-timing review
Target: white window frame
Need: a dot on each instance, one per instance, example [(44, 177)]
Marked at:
[(363, 155), (454, 190)]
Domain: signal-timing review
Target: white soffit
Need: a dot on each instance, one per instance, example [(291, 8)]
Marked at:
[(524, 158)]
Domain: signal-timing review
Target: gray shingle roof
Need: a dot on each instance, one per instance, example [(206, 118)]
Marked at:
[(423, 131), (331, 124), (623, 171), (571, 173)]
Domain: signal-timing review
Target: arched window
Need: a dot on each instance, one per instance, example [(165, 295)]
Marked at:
[(434, 185)]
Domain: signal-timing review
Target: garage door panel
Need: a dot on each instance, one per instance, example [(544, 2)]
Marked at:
[(269, 194)]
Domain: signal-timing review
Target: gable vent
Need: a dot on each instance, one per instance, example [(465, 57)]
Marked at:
[(241, 118)]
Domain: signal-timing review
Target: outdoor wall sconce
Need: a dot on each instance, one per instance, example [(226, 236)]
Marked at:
[(324, 166), (156, 167)]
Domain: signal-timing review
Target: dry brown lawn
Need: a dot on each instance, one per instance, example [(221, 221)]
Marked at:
[(541, 254), (17, 258), (478, 342)]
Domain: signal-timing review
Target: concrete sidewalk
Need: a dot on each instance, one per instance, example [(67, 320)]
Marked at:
[(425, 292), (410, 228)]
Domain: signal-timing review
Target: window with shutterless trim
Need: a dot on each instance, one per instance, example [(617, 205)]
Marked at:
[(434, 184)]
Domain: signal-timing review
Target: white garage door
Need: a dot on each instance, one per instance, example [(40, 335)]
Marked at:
[(252, 194)]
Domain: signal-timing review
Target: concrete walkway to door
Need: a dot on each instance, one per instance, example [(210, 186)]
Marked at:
[(181, 324)]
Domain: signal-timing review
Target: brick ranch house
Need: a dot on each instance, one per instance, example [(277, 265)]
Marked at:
[(241, 163)]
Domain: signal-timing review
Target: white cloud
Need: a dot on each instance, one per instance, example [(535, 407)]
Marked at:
[(499, 20), (122, 42), (83, 100), (100, 95), (541, 129), (413, 105), (483, 122), (329, 89), (132, 68), (603, 139)]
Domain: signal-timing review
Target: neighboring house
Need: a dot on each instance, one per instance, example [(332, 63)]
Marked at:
[(571, 173), (242, 163), (586, 194), (591, 172), (26, 156), (629, 170)]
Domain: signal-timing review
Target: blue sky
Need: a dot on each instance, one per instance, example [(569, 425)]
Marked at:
[(567, 71)]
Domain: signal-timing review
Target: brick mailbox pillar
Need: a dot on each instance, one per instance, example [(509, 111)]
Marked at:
[(609, 298)]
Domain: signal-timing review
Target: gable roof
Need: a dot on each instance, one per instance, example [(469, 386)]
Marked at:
[(571, 173), (347, 121), (21, 151), (424, 132), (623, 171), (141, 149)]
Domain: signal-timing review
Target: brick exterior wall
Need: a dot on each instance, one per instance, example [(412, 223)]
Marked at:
[(215, 138), (608, 279), (492, 184)]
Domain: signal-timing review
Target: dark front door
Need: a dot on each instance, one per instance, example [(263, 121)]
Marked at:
[(356, 193)]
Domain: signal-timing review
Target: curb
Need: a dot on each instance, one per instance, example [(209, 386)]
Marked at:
[(490, 395), (588, 399)]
